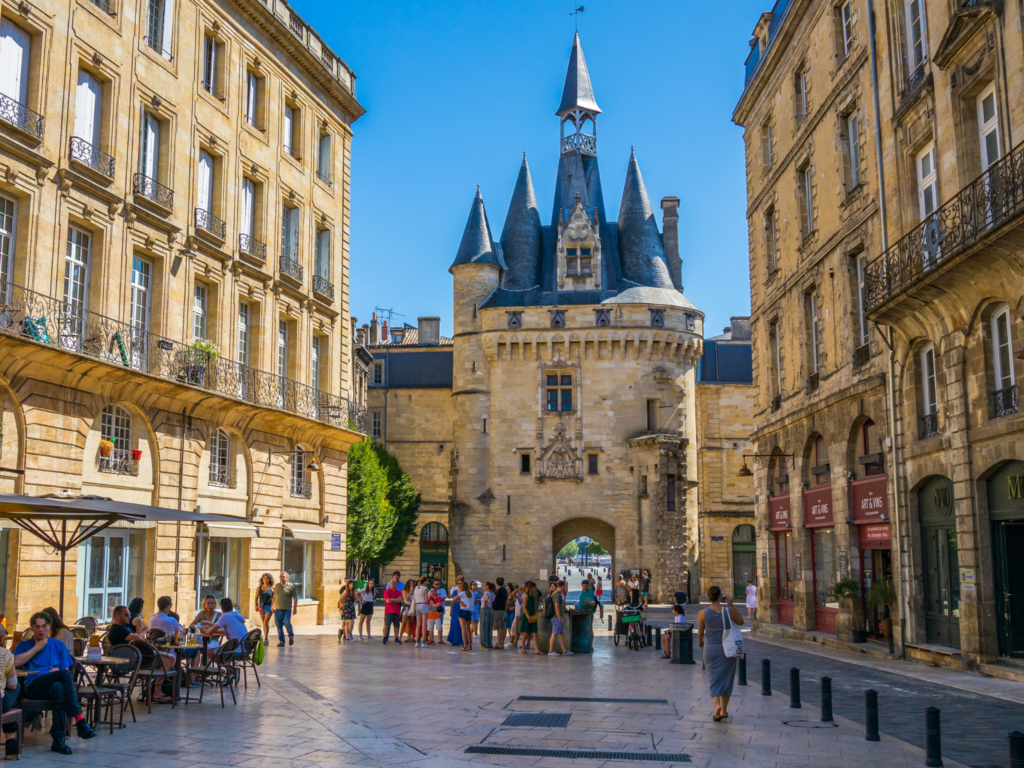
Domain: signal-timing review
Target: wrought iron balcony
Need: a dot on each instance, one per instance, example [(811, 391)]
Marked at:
[(929, 425), (119, 462), (302, 489), (290, 266), (209, 222), (84, 152), (32, 316), (324, 178), (916, 77), (211, 89), (223, 477), (21, 116), (323, 286), (250, 246), (581, 141), (1006, 401), (992, 200), (153, 190)]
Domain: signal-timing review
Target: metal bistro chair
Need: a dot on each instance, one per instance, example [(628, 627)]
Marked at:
[(245, 660), (220, 671), (152, 671), (122, 678), (94, 697)]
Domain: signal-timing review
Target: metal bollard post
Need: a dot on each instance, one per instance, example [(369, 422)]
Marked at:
[(650, 637), (657, 638), (826, 699), (794, 688), (1016, 739), (609, 622), (742, 670), (766, 677), (871, 716), (932, 737)]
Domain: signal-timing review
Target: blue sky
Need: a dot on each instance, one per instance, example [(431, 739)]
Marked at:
[(455, 92)]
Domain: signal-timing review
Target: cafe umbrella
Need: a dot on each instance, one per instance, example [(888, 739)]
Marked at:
[(64, 521)]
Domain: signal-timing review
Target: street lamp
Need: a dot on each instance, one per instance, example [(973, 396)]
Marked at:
[(745, 470)]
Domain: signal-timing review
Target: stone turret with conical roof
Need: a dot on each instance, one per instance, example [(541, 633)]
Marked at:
[(641, 251), (522, 238), (477, 246), (577, 93)]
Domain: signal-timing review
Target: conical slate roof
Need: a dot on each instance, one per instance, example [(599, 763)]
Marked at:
[(640, 248), (522, 237), (577, 92), (477, 246)]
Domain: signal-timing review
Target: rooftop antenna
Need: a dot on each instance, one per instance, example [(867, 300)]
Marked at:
[(576, 17), (389, 312)]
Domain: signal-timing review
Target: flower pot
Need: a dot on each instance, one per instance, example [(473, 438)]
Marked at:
[(860, 635), (106, 447), (885, 626), (136, 455)]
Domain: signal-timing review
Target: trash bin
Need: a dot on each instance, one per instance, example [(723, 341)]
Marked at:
[(681, 647)]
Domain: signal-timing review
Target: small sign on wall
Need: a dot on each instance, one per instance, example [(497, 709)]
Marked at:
[(844, 564), (764, 565), (335, 542), (798, 566), (968, 579), (543, 574), (718, 538)]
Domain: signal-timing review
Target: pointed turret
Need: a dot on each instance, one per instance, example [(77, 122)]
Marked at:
[(640, 248), (477, 246), (577, 93), (522, 238)]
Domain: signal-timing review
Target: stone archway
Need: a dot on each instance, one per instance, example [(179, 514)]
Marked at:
[(574, 527)]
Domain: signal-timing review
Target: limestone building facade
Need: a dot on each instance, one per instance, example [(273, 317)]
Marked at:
[(928, 275), (724, 547), (572, 377), (157, 344)]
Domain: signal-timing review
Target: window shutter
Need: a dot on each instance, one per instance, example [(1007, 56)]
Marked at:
[(205, 191), (289, 118), (168, 29), (325, 156), (209, 64), (150, 146), (248, 202), (87, 109), (766, 150), (323, 253), (286, 231), (14, 57), (250, 97)]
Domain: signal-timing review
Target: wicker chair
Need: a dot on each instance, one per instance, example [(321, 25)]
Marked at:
[(89, 623), (14, 716), (244, 661), (220, 671), (122, 678), (152, 671)]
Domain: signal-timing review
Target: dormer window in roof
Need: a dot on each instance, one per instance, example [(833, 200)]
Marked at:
[(657, 318), (515, 320), (557, 318), (602, 317), (579, 250)]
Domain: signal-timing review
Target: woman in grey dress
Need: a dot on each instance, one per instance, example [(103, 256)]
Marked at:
[(721, 669)]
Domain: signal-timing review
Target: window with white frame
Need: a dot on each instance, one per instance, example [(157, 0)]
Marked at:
[(204, 190), (929, 396), (213, 53), (290, 233), (852, 141), (1002, 349), (244, 324), (775, 359), (846, 20), (315, 363), (301, 485), (200, 302), (322, 267), (862, 318), (8, 219), (988, 127), (291, 130), (149, 152), (15, 54), (376, 422), (247, 226), (805, 192), (88, 102), (917, 45), (116, 426), (142, 290), (801, 95), (813, 330), (323, 162), (927, 182), (282, 349), (220, 460), (770, 240), (253, 97), (160, 26), (76, 270), (378, 372)]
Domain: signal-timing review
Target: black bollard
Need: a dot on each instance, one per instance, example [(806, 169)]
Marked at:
[(871, 715), (657, 637), (826, 699), (1016, 739), (650, 637), (766, 677), (794, 688), (742, 670), (932, 737)]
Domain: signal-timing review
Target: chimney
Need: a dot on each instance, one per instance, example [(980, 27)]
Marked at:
[(374, 329), (429, 331), (385, 334), (740, 328), (363, 334), (670, 230)]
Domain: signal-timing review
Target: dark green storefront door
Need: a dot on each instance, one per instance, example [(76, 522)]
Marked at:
[(941, 563), (1006, 510)]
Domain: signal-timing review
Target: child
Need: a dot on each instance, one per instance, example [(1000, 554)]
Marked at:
[(434, 620), (679, 617)]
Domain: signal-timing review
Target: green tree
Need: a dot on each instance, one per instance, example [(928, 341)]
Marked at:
[(371, 515), (405, 499), (596, 549), (569, 550)]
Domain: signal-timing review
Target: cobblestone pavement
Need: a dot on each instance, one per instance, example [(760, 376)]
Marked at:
[(326, 704)]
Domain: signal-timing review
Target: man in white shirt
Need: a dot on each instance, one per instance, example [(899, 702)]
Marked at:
[(231, 624)]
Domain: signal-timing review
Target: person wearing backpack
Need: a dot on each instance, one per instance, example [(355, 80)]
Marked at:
[(713, 623), (556, 600)]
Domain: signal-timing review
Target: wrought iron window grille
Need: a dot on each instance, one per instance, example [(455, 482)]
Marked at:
[(325, 178), (119, 462), (249, 245), (302, 489), (323, 286), (929, 425), (290, 266), (84, 152), (21, 117), (207, 221), (223, 477), (212, 90), (1006, 401), (153, 190)]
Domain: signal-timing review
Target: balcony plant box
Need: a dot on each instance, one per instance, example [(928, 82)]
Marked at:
[(198, 355), (106, 447), (136, 455)]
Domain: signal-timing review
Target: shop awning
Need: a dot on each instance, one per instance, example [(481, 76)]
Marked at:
[(232, 530), (307, 531)]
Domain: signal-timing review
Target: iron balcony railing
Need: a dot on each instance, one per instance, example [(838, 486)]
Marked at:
[(756, 56), (104, 6), (209, 222), (151, 189), (302, 489), (211, 89), (583, 142), (84, 152), (988, 202), (290, 266), (916, 77), (249, 245), (323, 286), (34, 316), (223, 477), (929, 425), (21, 116), (1006, 401), (324, 178), (119, 462)]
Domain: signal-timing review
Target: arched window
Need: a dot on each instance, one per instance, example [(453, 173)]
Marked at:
[(221, 472), (929, 393), (434, 533), (821, 470), (744, 559), (1002, 362), (872, 457), (743, 534), (302, 486), (116, 455), (116, 426)]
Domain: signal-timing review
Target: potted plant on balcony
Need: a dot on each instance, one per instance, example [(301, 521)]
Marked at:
[(106, 447), (199, 353), (845, 590), (883, 593)]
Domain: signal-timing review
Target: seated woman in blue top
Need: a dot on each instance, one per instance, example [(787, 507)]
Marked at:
[(54, 683)]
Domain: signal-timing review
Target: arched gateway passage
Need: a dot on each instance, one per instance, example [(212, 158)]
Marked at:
[(569, 530)]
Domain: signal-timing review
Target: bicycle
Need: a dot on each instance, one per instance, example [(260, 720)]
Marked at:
[(633, 619)]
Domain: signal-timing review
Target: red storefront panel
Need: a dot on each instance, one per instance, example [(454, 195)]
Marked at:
[(818, 507), (875, 536), (870, 500), (778, 513)]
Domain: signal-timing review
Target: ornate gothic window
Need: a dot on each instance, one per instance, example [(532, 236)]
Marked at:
[(515, 319), (558, 318), (658, 318), (602, 318), (578, 262), (559, 391)]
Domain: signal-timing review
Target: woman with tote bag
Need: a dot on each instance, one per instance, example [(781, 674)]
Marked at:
[(713, 623)]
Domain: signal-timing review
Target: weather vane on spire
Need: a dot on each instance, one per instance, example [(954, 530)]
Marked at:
[(576, 17)]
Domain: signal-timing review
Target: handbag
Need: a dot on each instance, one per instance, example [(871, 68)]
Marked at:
[(259, 652), (732, 640)]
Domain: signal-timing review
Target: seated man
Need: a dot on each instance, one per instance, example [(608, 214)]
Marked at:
[(54, 683), (166, 623), (121, 631), (231, 625)]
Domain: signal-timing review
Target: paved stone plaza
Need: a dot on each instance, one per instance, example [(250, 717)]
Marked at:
[(322, 704)]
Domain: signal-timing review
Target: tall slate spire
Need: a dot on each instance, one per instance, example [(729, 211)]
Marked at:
[(477, 246), (640, 248), (522, 238), (577, 93)]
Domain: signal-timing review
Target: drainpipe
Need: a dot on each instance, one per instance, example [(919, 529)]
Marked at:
[(890, 342)]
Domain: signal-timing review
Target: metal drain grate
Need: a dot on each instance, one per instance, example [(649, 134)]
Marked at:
[(525, 720), (576, 754), (600, 701), (810, 724)]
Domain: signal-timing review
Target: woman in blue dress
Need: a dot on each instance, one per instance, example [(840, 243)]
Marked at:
[(721, 668), (478, 593), (454, 630)]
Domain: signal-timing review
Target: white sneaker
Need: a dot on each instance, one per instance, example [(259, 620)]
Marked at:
[(552, 654), (567, 653)]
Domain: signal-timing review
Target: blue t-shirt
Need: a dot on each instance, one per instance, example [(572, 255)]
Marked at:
[(54, 654)]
